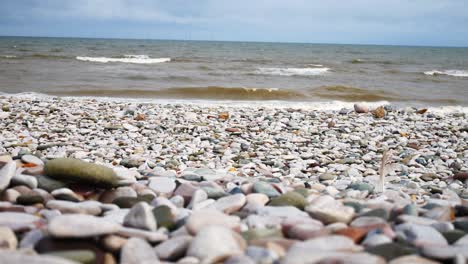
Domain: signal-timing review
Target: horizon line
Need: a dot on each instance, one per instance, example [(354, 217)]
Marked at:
[(248, 41)]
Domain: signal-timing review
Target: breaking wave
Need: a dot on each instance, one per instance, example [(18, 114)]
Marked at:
[(455, 73), (137, 59), (293, 71)]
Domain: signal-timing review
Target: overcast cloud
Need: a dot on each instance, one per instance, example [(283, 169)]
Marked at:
[(407, 22)]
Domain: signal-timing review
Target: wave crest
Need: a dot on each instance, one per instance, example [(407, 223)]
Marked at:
[(137, 59), (293, 71), (455, 73)]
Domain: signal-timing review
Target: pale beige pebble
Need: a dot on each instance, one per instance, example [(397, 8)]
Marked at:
[(113, 243), (247, 188), (160, 201), (328, 210), (162, 185), (7, 171), (197, 197), (229, 204), (67, 192), (210, 217), (6, 158), (216, 243), (203, 204), (173, 248), (336, 226), (10, 195), (138, 251), (67, 207), (7, 238), (185, 190), (257, 198), (81, 225)]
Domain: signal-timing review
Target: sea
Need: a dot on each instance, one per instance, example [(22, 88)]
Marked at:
[(215, 71)]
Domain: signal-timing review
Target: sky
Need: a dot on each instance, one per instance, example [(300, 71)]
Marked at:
[(389, 22)]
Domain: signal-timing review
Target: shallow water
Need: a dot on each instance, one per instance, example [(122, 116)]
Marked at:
[(234, 70)]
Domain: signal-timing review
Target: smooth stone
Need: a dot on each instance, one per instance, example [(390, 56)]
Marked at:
[(151, 236), (31, 238), (27, 180), (361, 186), (32, 160), (7, 238), (327, 176), (214, 193), (373, 240), (378, 212), (138, 251), (369, 222), (162, 185), (440, 213), (17, 257), (214, 243), (453, 236), (164, 217), (229, 204), (18, 221), (66, 194), (391, 251), (307, 231), (443, 227), (265, 188), (258, 233), (10, 195), (129, 202), (49, 184), (74, 170), (361, 108), (141, 216), (81, 225), (421, 235), (326, 209), (445, 252), (174, 248), (30, 199), (461, 224), (280, 211), (413, 259), (185, 190), (67, 207), (261, 255), (257, 198), (463, 241), (6, 173), (197, 197), (289, 199), (210, 217), (80, 256), (417, 220)]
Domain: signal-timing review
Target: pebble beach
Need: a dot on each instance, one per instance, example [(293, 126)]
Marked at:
[(85, 180)]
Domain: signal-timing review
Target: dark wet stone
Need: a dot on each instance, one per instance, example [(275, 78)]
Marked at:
[(129, 163), (391, 251), (453, 235), (49, 184), (29, 199), (410, 209), (164, 217), (461, 224), (129, 202)]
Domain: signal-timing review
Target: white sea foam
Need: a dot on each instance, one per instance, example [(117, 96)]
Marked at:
[(138, 59), (455, 73), (8, 56), (292, 71), (333, 105)]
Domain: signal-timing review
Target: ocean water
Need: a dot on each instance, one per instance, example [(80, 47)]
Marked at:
[(234, 71)]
